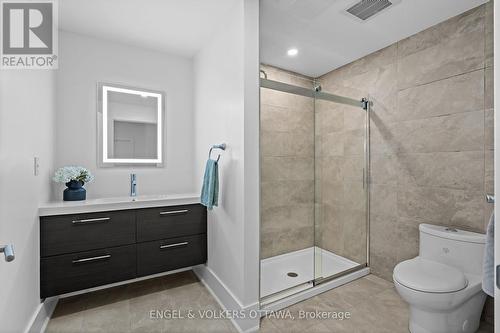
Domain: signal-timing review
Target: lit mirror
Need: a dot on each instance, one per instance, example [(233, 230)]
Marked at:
[(130, 125)]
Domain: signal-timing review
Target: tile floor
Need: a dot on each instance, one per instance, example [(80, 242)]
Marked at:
[(127, 308), (372, 302)]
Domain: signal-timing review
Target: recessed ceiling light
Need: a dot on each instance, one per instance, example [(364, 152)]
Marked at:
[(292, 52)]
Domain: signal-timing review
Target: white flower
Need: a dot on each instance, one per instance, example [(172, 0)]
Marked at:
[(68, 173)]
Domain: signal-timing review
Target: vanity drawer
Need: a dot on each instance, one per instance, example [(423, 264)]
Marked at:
[(72, 272), (169, 222), (164, 255), (82, 232)]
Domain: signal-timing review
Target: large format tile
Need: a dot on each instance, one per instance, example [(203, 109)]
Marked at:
[(488, 30), (287, 168), (282, 193), (489, 129), (442, 206), (282, 99), (458, 132), (285, 119), (457, 94), (383, 169), (383, 200), (298, 215), (470, 21), (128, 308), (458, 170), (287, 144), (284, 240), (456, 56), (329, 117)]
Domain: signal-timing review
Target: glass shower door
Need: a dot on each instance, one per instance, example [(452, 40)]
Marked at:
[(341, 190)]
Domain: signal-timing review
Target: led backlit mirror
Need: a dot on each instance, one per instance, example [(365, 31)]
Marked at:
[(131, 123)]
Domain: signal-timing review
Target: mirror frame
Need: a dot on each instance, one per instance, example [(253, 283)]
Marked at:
[(102, 117)]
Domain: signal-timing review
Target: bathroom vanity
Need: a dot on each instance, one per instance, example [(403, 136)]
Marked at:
[(98, 242)]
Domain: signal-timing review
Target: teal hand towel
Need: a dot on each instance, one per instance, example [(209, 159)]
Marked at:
[(210, 189)]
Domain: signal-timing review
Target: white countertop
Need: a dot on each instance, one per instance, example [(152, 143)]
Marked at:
[(107, 204)]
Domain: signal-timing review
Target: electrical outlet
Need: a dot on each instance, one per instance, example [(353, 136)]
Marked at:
[(36, 166)]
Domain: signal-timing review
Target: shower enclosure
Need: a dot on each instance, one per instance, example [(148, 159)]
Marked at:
[(314, 185)]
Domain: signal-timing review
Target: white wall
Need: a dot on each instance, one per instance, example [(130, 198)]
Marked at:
[(26, 130), (85, 61), (226, 110)]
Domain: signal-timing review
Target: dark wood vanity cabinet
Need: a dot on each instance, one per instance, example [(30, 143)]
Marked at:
[(81, 251)]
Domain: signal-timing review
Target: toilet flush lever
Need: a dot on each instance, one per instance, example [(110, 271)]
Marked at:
[(8, 251)]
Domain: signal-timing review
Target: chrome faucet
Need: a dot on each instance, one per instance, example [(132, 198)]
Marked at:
[(133, 185), (8, 251)]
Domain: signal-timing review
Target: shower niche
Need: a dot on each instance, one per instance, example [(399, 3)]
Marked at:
[(314, 184)]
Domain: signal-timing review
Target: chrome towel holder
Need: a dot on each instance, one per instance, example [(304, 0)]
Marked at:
[(221, 146)]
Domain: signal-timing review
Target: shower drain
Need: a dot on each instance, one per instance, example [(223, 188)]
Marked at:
[(292, 274)]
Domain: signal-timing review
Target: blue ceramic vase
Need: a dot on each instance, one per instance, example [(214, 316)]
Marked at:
[(75, 191)]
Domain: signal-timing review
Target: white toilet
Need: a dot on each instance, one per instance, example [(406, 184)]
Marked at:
[(443, 284)]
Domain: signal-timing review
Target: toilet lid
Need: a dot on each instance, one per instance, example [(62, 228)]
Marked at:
[(429, 276)]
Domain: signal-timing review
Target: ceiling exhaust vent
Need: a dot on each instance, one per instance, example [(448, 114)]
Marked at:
[(367, 8)]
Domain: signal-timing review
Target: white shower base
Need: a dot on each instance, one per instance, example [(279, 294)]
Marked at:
[(274, 271)]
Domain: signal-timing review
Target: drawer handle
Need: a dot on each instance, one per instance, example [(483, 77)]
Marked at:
[(91, 259), (172, 212), (97, 220), (169, 246)]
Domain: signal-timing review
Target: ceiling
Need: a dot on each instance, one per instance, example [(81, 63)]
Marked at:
[(327, 38), (177, 27)]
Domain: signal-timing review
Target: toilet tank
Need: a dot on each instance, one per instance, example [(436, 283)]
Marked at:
[(458, 248)]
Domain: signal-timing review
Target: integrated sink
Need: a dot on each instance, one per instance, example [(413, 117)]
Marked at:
[(116, 203)]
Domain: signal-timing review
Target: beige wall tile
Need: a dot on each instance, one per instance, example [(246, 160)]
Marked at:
[(331, 144), (287, 168), (488, 30), (282, 99), (281, 193), (353, 168), (383, 169), (285, 119), (354, 198), (470, 21), (282, 241), (376, 59), (442, 206), (408, 239), (293, 216), (458, 132), (457, 94), (456, 56), (383, 200), (488, 92), (287, 144), (489, 171), (458, 170), (383, 236), (489, 129), (354, 142), (329, 117)]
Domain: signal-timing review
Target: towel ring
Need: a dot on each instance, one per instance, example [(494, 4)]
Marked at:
[(222, 146)]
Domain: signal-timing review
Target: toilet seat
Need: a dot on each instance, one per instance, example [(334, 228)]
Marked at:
[(429, 276)]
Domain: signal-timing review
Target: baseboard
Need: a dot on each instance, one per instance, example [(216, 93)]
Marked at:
[(228, 301), (42, 315)]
